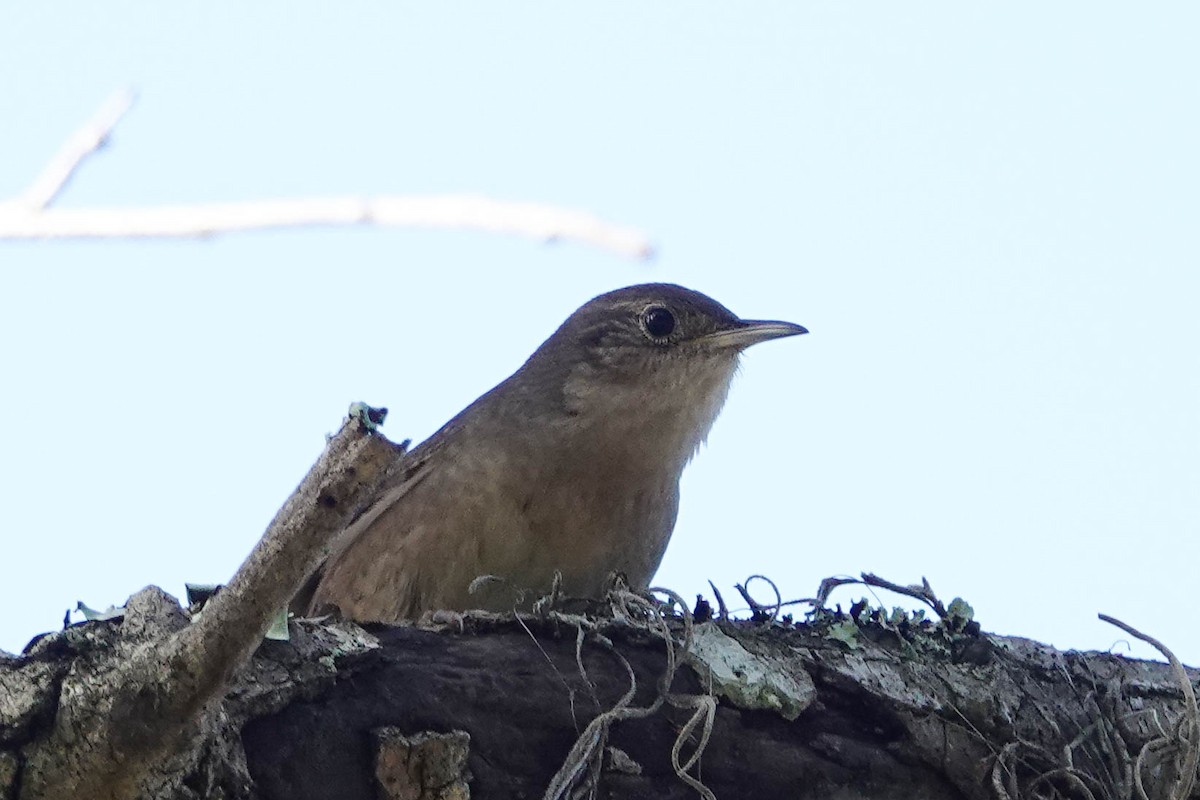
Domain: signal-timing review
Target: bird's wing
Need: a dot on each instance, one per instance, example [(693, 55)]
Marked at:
[(411, 471)]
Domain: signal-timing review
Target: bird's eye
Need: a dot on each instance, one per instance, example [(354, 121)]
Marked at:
[(659, 322)]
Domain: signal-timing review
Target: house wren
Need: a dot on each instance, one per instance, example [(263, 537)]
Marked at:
[(572, 465)]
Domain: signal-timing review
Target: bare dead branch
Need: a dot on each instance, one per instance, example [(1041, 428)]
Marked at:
[(924, 592), (85, 141), (113, 729), (28, 216), (1190, 743), (760, 610)]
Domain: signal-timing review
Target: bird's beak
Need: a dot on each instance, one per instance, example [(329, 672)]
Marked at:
[(752, 331)]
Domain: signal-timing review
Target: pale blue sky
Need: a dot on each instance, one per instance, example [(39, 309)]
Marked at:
[(986, 215)]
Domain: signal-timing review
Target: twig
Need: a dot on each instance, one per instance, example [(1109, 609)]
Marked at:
[(28, 216), (1000, 769), (1148, 748), (758, 609), (416, 211), (85, 141), (723, 609), (590, 743), (115, 731), (924, 592), (1187, 778), (582, 762), (704, 709)]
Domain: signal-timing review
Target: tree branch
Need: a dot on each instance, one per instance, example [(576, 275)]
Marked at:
[(113, 728), (28, 215), (85, 141)]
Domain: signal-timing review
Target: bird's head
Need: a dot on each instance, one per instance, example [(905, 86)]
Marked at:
[(653, 358)]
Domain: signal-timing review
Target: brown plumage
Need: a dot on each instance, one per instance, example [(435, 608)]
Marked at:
[(571, 464)]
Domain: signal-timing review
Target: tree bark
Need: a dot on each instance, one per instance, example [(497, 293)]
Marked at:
[(351, 712), (124, 703)]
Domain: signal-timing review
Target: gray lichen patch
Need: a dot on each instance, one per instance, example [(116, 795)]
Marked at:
[(746, 679)]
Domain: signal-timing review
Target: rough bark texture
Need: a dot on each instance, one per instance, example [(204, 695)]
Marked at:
[(121, 705), (342, 711)]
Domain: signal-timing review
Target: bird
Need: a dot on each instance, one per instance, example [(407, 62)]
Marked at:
[(570, 467)]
